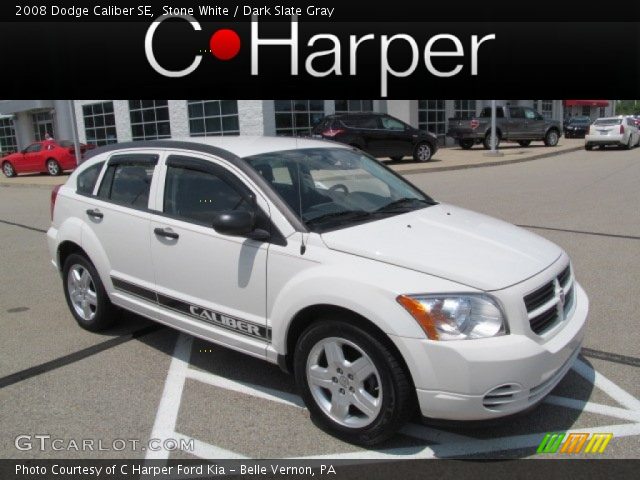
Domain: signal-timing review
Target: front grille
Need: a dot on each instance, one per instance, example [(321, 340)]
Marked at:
[(564, 276), (544, 306), (541, 296), (541, 322)]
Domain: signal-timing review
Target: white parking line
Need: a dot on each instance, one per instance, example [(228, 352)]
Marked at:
[(621, 413), (442, 443), (475, 447), (246, 388), (165, 424), (607, 386)]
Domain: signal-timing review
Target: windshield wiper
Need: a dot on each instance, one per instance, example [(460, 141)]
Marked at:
[(402, 204), (344, 215)]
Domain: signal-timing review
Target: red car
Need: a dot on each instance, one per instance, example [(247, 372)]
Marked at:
[(48, 156)]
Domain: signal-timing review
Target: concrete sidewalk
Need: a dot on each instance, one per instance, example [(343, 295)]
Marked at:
[(453, 158)]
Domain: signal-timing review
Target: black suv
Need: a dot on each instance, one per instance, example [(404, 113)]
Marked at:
[(378, 134)]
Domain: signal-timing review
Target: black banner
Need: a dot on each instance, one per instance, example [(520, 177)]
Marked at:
[(323, 469), (329, 59)]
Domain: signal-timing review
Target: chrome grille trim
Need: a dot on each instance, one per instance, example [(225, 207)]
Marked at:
[(551, 303)]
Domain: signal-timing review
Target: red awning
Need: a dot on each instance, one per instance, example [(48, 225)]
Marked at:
[(586, 103)]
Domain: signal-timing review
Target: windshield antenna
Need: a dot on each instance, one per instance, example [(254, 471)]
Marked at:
[(303, 247)]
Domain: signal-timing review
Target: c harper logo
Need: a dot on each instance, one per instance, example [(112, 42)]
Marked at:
[(225, 44)]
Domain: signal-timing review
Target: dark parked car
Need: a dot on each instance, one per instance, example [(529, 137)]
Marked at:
[(378, 134), (577, 127)]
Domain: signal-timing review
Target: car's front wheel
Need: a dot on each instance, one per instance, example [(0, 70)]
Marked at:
[(8, 170), (352, 383), (422, 152), (85, 294), (53, 167)]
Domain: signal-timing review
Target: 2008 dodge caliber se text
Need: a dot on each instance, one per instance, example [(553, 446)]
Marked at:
[(315, 256)]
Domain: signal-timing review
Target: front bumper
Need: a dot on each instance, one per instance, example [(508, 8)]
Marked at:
[(494, 377)]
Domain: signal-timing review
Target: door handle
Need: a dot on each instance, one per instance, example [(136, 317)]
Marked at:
[(166, 232), (95, 213)]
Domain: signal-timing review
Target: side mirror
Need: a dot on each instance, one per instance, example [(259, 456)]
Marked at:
[(239, 224)]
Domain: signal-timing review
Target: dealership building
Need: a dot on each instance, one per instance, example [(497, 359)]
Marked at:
[(103, 122)]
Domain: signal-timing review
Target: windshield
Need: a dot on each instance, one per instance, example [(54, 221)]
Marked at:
[(330, 188), (581, 120)]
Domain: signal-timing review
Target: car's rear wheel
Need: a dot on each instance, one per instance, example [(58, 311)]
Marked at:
[(465, 143), (397, 158), (353, 385), (53, 167), (524, 143), (85, 294), (588, 146), (629, 146), (422, 152), (551, 138), (8, 170)]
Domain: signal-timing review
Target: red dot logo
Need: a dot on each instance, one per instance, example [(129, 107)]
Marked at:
[(224, 44)]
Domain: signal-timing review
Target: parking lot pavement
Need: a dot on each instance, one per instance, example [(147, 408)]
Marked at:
[(142, 381)]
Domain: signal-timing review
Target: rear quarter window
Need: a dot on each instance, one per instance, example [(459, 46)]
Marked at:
[(87, 179)]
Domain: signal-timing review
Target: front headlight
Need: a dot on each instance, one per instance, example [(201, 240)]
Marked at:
[(455, 317)]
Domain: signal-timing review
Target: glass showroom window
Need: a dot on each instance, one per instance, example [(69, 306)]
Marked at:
[(149, 119), (100, 123), (431, 117), (545, 108), (213, 117), (464, 109), (43, 124), (354, 106), (8, 143), (297, 117)]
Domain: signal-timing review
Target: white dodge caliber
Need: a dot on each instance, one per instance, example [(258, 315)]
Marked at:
[(317, 257)]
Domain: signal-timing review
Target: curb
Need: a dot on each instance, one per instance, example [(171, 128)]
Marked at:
[(488, 164), (401, 172)]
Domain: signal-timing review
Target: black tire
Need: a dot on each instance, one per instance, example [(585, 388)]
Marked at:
[(105, 312), (423, 152), (629, 146), (397, 158), (552, 138), (524, 143), (466, 143), (588, 146), (53, 167), (8, 170), (397, 397), (486, 143)]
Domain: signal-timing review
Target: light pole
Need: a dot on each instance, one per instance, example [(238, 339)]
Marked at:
[(493, 141), (74, 132)]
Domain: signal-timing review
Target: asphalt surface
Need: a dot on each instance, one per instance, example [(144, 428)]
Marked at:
[(141, 381)]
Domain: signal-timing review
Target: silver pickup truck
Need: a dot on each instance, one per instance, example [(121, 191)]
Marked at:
[(513, 124)]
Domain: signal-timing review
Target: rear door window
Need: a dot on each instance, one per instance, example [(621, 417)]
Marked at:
[(127, 180)]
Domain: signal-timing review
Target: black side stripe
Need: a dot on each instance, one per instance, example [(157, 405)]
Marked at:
[(218, 319), (135, 289)]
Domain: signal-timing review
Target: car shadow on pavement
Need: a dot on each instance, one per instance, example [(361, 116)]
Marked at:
[(408, 161), (490, 439)]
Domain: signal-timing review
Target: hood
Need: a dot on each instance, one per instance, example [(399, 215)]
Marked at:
[(452, 243)]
